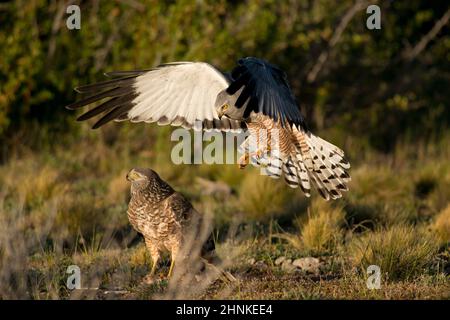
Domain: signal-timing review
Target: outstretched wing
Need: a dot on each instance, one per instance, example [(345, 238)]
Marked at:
[(267, 88), (180, 94)]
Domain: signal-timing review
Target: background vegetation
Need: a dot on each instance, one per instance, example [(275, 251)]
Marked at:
[(382, 95)]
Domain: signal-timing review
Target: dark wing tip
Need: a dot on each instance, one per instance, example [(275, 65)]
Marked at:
[(131, 73), (113, 114), (120, 93)]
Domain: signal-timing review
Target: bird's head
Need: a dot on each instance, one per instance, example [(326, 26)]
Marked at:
[(225, 106), (147, 180), (141, 176), (222, 104)]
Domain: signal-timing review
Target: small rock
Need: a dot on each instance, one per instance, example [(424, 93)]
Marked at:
[(251, 261), (261, 265), (279, 260), (309, 264)]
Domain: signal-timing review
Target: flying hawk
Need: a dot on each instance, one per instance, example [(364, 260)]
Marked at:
[(168, 222), (255, 96)]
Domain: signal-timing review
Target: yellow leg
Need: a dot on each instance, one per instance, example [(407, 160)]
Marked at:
[(155, 263), (149, 278), (154, 253), (172, 263), (174, 255)]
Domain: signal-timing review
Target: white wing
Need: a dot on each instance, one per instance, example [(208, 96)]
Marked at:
[(180, 94)]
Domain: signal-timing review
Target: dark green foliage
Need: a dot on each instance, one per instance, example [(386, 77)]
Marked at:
[(367, 86)]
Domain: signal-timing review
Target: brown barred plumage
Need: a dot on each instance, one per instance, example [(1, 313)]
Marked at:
[(301, 157), (167, 221)]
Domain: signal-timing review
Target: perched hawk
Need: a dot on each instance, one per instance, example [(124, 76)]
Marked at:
[(255, 96), (168, 222)]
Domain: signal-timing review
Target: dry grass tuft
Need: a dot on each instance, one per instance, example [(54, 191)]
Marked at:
[(441, 226), (262, 197), (321, 233), (402, 252), (140, 257)]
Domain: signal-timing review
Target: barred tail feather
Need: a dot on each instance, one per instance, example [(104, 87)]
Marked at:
[(291, 174), (305, 183), (328, 174), (310, 161), (329, 167), (320, 187), (269, 167), (274, 166)]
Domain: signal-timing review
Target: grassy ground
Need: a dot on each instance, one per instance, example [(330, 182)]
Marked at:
[(65, 204)]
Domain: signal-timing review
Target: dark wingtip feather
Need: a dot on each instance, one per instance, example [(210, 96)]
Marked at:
[(114, 92), (131, 73), (99, 86), (108, 105), (117, 112)]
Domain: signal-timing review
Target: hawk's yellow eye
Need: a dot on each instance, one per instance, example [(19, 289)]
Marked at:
[(225, 107)]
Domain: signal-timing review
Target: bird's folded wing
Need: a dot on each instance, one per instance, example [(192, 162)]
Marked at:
[(267, 88), (180, 94)]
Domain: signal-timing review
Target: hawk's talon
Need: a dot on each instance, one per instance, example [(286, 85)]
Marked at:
[(259, 154), (244, 160)]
